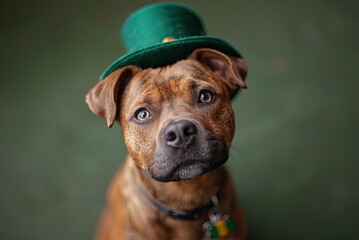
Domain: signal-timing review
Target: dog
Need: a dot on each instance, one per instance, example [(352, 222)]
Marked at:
[(178, 125)]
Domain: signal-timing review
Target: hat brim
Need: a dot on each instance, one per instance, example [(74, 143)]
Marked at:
[(167, 53)]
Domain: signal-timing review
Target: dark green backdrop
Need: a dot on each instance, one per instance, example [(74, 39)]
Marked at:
[(295, 154)]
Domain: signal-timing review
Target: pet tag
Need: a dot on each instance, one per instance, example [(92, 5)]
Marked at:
[(218, 226)]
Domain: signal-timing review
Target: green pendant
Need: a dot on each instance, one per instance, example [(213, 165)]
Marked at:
[(217, 226), (221, 228)]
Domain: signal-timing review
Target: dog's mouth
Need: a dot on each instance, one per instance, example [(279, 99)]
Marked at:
[(185, 170), (185, 150)]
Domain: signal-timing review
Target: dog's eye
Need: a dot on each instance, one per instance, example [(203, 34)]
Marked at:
[(142, 114), (205, 96)]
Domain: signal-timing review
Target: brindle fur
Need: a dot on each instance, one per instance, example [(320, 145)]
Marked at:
[(171, 92)]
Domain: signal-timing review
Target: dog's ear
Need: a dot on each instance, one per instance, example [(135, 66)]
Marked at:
[(103, 98), (233, 70)]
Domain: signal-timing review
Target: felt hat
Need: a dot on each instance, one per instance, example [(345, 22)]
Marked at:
[(164, 33)]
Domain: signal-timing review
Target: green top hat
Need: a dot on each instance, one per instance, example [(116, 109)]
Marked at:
[(162, 34)]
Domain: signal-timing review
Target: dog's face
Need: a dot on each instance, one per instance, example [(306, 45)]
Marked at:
[(177, 120)]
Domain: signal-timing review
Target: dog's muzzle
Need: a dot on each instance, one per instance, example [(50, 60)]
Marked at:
[(184, 150)]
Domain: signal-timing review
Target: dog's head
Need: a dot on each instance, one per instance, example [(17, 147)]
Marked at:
[(177, 120)]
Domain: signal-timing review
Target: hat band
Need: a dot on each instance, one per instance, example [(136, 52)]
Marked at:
[(168, 39)]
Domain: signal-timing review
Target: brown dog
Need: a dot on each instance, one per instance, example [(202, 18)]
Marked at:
[(178, 125)]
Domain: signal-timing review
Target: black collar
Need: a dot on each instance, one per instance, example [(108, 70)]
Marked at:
[(178, 213)]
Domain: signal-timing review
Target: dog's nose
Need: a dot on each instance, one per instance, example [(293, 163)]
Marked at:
[(180, 134)]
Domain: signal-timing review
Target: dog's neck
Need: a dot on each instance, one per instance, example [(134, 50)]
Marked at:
[(186, 194)]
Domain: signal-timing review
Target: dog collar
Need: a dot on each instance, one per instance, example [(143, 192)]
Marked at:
[(178, 213), (217, 226)]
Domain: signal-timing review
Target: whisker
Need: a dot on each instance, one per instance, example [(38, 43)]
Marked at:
[(239, 152)]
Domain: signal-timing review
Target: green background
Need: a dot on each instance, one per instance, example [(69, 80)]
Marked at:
[(295, 154)]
